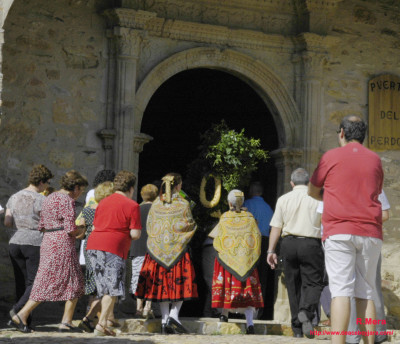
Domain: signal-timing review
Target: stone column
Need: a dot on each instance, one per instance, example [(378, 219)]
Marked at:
[(313, 108), (127, 54), (108, 136), (309, 70), (286, 160), (139, 140), (123, 141)]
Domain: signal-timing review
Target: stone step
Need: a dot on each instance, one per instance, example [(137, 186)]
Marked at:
[(212, 326), (208, 326)]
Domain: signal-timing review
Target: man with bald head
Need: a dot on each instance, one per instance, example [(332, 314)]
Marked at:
[(350, 179)]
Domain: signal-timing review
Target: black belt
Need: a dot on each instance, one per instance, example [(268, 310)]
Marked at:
[(299, 237), (53, 229)]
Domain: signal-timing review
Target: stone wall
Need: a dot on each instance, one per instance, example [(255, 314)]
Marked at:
[(54, 63), (369, 34)]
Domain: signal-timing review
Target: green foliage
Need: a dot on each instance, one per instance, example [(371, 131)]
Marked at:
[(234, 157), (227, 154)]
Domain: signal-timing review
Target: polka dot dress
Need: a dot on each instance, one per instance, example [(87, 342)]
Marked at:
[(59, 277)]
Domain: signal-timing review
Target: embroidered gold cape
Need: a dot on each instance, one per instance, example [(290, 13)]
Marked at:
[(170, 227), (237, 240)]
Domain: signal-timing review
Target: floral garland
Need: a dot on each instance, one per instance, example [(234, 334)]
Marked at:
[(217, 193)]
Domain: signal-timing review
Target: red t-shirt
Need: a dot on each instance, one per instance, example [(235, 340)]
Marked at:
[(115, 216), (352, 178)]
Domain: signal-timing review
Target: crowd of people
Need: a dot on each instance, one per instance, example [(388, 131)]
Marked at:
[(342, 252)]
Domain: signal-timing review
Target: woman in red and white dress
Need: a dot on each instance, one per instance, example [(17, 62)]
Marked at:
[(167, 275), (236, 285), (59, 277)]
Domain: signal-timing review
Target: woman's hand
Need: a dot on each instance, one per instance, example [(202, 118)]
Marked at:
[(135, 233), (79, 233)]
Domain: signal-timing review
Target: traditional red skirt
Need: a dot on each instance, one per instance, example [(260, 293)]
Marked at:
[(229, 292), (159, 284)]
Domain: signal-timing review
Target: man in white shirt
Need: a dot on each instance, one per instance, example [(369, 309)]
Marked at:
[(301, 249)]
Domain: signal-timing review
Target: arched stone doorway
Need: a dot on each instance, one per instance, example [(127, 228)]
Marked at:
[(263, 81), (181, 109), (186, 105)]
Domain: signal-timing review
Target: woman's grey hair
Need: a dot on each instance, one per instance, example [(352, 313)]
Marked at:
[(300, 177), (236, 198)]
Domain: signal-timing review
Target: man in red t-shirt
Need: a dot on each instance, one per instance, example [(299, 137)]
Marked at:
[(350, 179)]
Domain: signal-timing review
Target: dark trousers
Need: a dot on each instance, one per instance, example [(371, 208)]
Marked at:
[(266, 275), (303, 262), (208, 258), (25, 261)]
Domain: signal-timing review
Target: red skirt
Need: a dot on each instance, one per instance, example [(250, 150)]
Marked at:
[(229, 292), (159, 284)]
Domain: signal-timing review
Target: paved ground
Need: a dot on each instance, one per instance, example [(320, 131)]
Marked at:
[(134, 333), (13, 337), (47, 334)]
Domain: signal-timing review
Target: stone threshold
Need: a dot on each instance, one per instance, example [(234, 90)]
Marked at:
[(212, 326)]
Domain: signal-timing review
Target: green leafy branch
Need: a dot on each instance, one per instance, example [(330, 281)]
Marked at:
[(234, 157)]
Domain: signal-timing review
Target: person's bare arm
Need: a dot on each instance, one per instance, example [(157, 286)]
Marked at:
[(315, 192), (274, 235), (385, 215), (135, 233), (8, 219), (81, 229)]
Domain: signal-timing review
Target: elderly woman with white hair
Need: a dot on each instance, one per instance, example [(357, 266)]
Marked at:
[(236, 284)]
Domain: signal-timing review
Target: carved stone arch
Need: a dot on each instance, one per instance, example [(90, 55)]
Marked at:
[(256, 73)]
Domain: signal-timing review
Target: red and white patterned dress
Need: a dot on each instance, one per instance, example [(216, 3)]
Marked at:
[(59, 277)]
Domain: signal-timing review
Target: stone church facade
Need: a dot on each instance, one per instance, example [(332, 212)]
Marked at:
[(77, 76)]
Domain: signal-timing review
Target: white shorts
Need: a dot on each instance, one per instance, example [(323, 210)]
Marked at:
[(351, 262)]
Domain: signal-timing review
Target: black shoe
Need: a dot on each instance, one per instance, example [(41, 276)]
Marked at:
[(86, 325), (250, 330), (166, 329), (297, 333), (223, 318), (179, 328), (306, 326), (21, 327)]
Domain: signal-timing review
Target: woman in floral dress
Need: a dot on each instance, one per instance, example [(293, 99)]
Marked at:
[(59, 277)]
